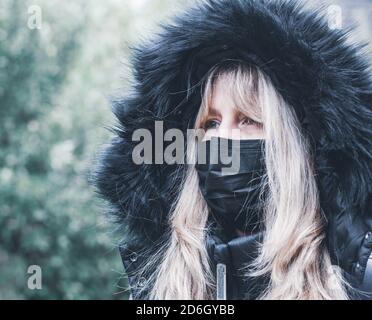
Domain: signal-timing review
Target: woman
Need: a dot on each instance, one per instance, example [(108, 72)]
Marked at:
[(294, 222)]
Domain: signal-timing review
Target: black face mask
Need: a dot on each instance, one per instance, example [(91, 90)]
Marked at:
[(234, 198)]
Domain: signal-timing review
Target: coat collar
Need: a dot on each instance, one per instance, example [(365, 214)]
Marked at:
[(236, 255)]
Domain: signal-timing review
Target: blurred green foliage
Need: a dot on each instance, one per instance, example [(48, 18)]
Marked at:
[(55, 87)]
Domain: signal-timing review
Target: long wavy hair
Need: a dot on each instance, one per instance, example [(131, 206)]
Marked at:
[(293, 253)]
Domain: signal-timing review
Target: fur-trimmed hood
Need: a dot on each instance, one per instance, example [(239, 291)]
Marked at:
[(325, 79)]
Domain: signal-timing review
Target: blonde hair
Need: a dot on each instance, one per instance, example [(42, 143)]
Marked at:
[(293, 253)]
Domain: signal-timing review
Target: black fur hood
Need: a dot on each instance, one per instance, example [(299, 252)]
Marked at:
[(323, 77)]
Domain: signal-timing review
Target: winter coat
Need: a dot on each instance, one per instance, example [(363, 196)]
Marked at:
[(322, 76)]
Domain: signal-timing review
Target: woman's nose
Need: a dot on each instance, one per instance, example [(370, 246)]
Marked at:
[(228, 129)]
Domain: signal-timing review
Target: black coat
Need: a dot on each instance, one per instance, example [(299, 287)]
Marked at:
[(325, 79)]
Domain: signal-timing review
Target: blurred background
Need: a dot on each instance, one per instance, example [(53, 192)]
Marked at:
[(61, 62)]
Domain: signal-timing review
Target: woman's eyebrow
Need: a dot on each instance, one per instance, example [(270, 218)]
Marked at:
[(241, 114), (213, 112)]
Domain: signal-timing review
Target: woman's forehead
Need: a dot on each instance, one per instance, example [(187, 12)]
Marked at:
[(225, 99), (221, 99)]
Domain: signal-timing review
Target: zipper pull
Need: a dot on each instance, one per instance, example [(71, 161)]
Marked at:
[(221, 281)]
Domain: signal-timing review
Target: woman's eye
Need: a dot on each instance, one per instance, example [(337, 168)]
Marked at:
[(211, 124), (248, 122)]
